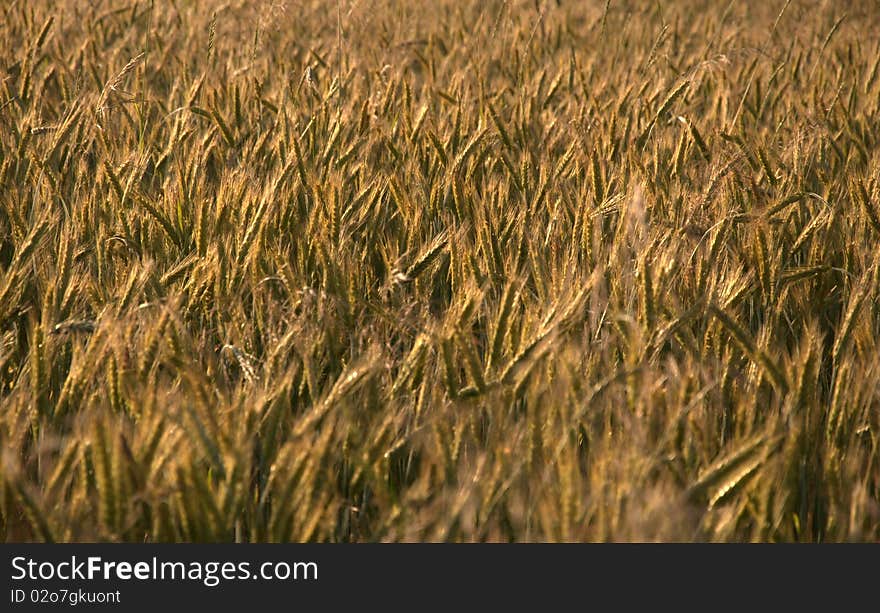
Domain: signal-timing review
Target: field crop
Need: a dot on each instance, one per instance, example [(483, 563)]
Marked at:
[(447, 271)]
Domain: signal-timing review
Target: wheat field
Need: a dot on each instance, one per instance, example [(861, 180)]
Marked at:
[(394, 270)]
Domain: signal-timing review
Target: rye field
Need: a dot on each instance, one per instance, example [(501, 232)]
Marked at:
[(395, 270)]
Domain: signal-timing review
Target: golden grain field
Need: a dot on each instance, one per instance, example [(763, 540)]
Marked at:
[(383, 270)]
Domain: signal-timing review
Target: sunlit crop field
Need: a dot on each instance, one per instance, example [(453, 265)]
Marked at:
[(439, 271)]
